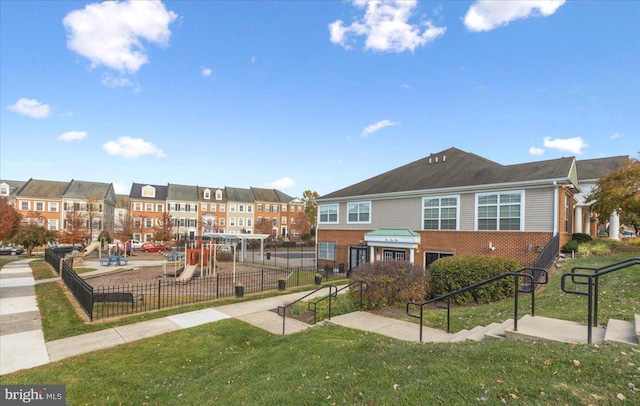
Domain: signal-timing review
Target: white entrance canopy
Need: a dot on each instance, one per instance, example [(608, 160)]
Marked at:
[(229, 237), (393, 238)]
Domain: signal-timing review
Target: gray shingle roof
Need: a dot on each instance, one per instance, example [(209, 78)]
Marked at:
[(453, 168), (239, 195), (182, 192), (213, 190), (136, 192), (43, 189), (14, 185), (79, 189), (592, 169)]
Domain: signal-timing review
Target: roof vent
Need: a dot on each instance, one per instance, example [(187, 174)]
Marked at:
[(444, 158), (436, 159), (429, 160)]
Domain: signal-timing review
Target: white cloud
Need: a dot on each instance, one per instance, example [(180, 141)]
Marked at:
[(72, 136), (282, 183), (110, 33), (205, 72), (128, 147), (615, 136), (485, 15), (110, 81), (377, 126), (120, 188), (536, 151), (385, 26), (253, 59), (574, 145), (31, 108)]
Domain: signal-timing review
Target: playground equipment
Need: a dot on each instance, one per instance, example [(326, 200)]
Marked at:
[(91, 247)]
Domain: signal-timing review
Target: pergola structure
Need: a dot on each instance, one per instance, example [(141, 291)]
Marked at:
[(230, 238)]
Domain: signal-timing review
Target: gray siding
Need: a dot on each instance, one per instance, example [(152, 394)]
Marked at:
[(538, 209), (467, 211)]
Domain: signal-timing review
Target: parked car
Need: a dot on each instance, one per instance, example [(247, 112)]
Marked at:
[(135, 244), (154, 247), (627, 234), (11, 250), (602, 234)]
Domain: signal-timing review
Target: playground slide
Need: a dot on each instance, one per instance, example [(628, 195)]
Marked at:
[(187, 274), (90, 248)]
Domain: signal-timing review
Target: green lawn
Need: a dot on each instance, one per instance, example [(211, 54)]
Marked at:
[(231, 363)]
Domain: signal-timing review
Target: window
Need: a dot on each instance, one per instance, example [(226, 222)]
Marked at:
[(68, 206), (24, 205), (207, 194), (193, 207), (39, 206), (172, 206), (82, 206), (183, 222), (284, 207), (159, 208), (181, 207), (500, 211), (148, 237), (53, 225), (148, 207), (232, 208), (328, 213), (259, 208), (213, 206), (137, 222), (430, 257), (249, 222), (148, 223), (148, 191), (222, 223), (327, 250), (4, 190), (240, 221), (203, 206), (249, 209), (284, 220), (274, 208), (192, 223), (53, 206), (241, 208), (137, 206), (267, 208), (359, 212), (222, 207), (232, 221), (440, 213), (218, 194)]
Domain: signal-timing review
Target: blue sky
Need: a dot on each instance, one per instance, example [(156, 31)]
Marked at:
[(315, 95)]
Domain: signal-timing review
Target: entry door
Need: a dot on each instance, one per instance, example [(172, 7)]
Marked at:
[(357, 257)]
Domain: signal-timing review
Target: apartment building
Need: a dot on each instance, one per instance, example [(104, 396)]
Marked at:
[(212, 210), (40, 202), (240, 211), (182, 204), (95, 202), (148, 206)]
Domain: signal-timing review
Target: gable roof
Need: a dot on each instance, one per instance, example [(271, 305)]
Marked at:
[(594, 169), (182, 192), (136, 192), (239, 195), (79, 189), (43, 189), (453, 168)]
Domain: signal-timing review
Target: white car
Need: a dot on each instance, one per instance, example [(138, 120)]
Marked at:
[(135, 244)]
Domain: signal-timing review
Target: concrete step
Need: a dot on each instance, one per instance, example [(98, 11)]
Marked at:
[(459, 336), (478, 334), (539, 328), (621, 332), (497, 333)]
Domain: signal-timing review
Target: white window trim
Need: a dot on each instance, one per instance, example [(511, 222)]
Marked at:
[(358, 203), (508, 192), (457, 197), (337, 213)]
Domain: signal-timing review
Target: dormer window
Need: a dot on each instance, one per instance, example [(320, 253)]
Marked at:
[(218, 194), (207, 194), (4, 189), (148, 191)]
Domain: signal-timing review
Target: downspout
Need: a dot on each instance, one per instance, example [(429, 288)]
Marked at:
[(316, 236), (555, 208)]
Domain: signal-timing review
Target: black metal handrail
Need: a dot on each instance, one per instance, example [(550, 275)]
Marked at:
[(592, 281), (364, 286), (541, 279), (282, 310), (548, 253)]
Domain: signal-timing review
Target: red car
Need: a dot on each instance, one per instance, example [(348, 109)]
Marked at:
[(154, 247)]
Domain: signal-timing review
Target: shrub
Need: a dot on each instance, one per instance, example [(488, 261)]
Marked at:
[(391, 282), (594, 248), (453, 273), (570, 246), (581, 238)]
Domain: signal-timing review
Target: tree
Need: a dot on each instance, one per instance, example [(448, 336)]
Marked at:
[(32, 236), (264, 225), (163, 231), (302, 224), (619, 191), (9, 219), (310, 205), (75, 230), (123, 229)]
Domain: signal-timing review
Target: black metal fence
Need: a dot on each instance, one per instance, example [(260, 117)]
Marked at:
[(548, 254), (102, 302)]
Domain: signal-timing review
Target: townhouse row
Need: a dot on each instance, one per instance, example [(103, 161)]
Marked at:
[(143, 213)]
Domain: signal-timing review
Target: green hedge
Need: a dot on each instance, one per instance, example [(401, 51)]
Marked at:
[(452, 273)]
